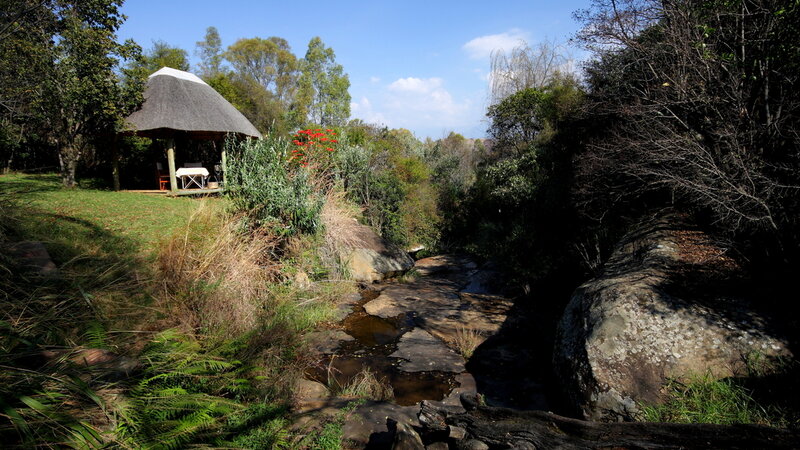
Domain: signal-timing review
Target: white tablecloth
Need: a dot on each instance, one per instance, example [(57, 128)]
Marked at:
[(186, 171)]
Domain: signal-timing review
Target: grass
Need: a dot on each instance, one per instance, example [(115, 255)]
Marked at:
[(365, 384), (95, 221), (703, 399), (466, 340), (329, 436), (134, 265)]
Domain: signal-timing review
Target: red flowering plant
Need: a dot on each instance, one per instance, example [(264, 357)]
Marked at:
[(313, 150)]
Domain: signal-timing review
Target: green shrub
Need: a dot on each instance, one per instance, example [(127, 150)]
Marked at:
[(261, 185)]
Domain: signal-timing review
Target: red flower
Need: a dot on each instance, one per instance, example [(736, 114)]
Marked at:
[(329, 149)]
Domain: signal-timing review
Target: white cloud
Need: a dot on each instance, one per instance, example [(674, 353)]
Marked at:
[(363, 110), (374, 80), (416, 85), (417, 102), (483, 46), (423, 105)]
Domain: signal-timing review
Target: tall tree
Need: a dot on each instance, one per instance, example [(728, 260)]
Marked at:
[(323, 96), (268, 62), (81, 95), (165, 55), (160, 55), (210, 52), (525, 67), (26, 29)]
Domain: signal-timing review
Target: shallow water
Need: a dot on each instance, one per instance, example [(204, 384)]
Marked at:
[(375, 339)]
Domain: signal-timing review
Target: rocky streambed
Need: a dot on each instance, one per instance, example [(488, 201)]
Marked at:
[(407, 334)]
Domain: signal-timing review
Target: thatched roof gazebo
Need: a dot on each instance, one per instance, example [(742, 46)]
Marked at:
[(180, 104)]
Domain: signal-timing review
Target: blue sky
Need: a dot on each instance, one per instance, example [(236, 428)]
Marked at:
[(420, 65)]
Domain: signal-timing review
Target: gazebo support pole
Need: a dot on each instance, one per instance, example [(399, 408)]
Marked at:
[(224, 168), (173, 180)]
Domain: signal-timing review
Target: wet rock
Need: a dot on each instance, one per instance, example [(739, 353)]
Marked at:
[(327, 342), (625, 333), (385, 306), (405, 438), (456, 433), (473, 444), (375, 259), (437, 303), (437, 446), (425, 353), (367, 425)]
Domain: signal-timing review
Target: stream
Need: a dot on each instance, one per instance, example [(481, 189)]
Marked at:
[(374, 339)]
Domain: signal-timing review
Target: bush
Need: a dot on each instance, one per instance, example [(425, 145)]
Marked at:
[(261, 185)]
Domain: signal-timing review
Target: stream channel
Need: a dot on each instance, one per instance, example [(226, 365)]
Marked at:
[(373, 340)]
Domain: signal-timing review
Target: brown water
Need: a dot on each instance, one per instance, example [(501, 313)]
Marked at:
[(375, 339)]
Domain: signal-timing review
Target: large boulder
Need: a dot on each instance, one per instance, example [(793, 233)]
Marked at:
[(375, 259), (658, 311)]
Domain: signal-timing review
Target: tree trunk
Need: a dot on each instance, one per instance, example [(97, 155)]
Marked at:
[(115, 163), (68, 159)]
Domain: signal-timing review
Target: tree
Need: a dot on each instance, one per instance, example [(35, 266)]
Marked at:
[(699, 105), (160, 55), (164, 55), (26, 30), (527, 117), (81, 95), (323, 96), (525, 68), (210, 51), (268, 62)]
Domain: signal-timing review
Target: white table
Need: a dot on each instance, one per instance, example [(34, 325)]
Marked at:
[(192, 176)]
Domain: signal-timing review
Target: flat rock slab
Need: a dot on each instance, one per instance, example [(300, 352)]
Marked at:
[(366, 427), (327, 341), (425, 353), (440, 309)]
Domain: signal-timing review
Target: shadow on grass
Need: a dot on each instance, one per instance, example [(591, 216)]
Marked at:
[(97, 266), (15, 184)]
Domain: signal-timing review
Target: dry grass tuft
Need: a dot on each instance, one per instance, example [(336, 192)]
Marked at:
[(213, 275), (341, 231), (466, 340), (365, 384)]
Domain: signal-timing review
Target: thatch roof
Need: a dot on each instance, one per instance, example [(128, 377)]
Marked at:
[(180, 103)]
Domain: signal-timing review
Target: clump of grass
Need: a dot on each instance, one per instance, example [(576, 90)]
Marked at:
[(409, 277), (341, 233), (329, 435), (704, 399), (213, 275), (466, 340), (365, 384)]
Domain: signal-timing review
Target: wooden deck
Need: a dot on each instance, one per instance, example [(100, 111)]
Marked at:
[(180, 192)]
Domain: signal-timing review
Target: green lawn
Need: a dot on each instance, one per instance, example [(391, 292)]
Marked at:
[(85, 222)]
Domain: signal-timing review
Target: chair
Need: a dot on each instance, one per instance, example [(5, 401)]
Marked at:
[(163, 178), (193, 164), (218, 172)]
